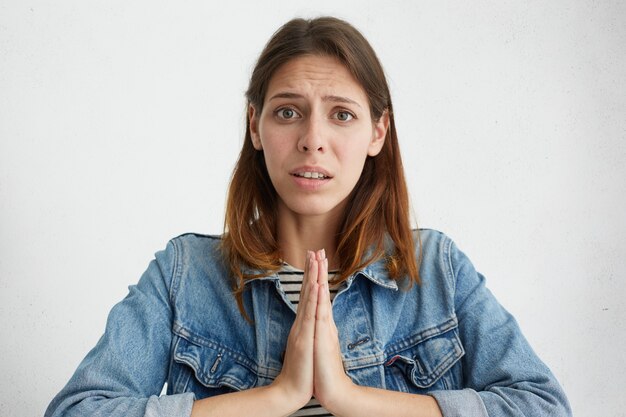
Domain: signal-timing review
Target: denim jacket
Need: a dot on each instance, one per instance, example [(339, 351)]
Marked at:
[(447, 337)]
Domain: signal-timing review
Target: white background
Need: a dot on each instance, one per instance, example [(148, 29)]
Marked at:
[(120, 122)]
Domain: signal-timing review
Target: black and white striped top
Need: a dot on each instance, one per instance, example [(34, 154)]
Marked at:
[(291, 281)]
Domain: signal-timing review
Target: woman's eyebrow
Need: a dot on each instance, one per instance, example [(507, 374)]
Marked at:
[(332, 98), (286, 95), (340, 99)]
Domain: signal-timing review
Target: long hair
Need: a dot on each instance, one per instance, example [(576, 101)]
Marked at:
[(378, 206)]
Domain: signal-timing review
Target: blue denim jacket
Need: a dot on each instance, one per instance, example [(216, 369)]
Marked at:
[(447, 337)]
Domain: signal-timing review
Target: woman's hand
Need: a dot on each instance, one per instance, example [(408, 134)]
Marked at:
[(331, 384), (313, 363), (296, 376)]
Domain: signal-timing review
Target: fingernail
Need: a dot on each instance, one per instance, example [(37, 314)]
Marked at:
[(323, 254)]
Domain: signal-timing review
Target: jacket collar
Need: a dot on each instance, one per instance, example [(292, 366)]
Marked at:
[(377, 273)]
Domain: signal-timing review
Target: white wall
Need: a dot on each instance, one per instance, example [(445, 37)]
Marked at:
[(120, 123)]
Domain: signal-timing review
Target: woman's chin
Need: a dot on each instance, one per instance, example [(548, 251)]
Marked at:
[(310, 208)]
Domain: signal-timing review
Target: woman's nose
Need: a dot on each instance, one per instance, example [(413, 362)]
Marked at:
[(312, 138)]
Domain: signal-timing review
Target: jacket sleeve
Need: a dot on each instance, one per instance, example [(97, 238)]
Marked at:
[(125, 372), (502, 374)]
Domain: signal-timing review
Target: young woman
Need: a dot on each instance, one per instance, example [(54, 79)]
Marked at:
[(318, 299)]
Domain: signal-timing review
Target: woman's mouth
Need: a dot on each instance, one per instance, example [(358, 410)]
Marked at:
[(311, 174), (310, 179)]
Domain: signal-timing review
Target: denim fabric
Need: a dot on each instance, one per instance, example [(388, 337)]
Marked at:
[(447, 337)]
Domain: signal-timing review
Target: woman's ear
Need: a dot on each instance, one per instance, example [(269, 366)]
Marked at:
[(254, 127), (378, 135)]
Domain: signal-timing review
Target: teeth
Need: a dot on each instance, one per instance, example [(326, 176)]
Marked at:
[(313, 175)]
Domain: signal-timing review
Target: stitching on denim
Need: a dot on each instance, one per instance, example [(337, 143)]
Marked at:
[(366, 317), (450, 267), (176, 270), (422, 336), (178, 384), (363, 361)]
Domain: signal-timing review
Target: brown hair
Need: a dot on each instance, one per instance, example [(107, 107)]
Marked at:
[(378, 206)]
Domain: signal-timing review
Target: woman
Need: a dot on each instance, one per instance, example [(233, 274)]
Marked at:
[(318, 299)]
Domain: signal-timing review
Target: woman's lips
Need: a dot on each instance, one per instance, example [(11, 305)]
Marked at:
[(310, 177), (311, 171), (310, 183), (311, 174)]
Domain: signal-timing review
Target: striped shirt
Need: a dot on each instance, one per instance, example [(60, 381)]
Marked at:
[(291, 281)]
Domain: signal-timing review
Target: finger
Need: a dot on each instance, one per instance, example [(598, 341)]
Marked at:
[(303, 289), (309, 297), (320, 255), (323, 302)]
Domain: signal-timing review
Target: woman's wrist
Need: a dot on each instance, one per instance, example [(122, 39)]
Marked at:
[(286, 395), (265, 401), (365, 401), (342, 398)]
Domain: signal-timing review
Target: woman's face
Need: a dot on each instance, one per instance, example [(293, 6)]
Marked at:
[(315, 131)]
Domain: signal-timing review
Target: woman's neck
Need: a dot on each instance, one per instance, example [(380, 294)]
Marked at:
[(297, 234)]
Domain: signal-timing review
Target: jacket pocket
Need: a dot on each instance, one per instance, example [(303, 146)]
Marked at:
[(209, 369), (427, 365)]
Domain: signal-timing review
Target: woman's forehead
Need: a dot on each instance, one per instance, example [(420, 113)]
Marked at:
[(315, 75)]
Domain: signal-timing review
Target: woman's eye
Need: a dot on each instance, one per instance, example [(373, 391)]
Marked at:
[(287, 113), (344, 116)]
